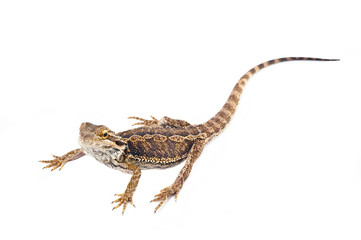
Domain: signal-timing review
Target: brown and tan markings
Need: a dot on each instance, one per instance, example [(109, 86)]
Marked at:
[(157, 143)]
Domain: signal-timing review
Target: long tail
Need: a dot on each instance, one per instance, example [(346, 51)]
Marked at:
[(216, 124)]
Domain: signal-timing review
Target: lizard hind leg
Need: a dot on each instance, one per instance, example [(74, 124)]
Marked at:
[(174, 189)]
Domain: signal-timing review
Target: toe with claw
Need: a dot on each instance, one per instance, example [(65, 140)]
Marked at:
[(123, 199), (57, 162), (145, 122), (164, 195)]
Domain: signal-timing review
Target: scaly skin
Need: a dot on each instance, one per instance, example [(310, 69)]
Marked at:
[(157, 143)]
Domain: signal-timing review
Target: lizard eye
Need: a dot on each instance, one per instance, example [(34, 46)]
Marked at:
[(104, 134)]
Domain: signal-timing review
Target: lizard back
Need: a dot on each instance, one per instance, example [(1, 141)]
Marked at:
[(157, 147)]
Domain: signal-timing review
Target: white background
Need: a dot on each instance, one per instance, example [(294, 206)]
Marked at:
[(287, 167)]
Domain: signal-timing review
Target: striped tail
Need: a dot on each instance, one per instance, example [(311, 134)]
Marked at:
[(217, 123)]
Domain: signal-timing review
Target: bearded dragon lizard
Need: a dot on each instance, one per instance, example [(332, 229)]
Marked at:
[(157, 143)]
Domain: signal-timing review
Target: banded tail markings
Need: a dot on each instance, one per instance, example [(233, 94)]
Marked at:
[(216, 124)]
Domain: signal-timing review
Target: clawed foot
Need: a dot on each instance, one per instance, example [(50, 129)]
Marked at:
[(59, 162), (55, 163), (123, 199), (164, 195), (145, 122)]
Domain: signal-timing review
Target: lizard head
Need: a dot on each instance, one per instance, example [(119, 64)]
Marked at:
[(100, 142)]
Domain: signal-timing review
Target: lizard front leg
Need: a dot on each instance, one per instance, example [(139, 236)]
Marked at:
[(145, 122), (127, 196), (61, 161), (163, 122), (174, 189)]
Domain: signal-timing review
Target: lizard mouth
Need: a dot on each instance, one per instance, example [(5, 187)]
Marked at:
[(100, 142)]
